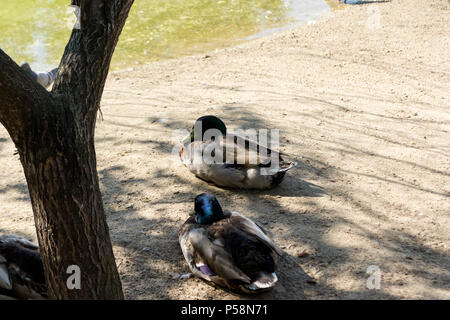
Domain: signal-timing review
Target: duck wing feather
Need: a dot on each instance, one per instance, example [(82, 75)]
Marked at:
[(249, 226), (214, 254)]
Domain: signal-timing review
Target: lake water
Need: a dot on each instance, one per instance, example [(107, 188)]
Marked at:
[(38, 30)]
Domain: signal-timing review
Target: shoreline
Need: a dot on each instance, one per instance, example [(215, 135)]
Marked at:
[(240, 42)]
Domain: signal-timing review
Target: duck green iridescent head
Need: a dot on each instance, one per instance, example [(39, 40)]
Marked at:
[(202, 125), (207, 209)]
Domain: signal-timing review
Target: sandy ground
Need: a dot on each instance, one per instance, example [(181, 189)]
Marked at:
[(362, 102)]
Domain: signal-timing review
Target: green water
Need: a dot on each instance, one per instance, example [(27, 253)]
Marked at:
[(38, 30)]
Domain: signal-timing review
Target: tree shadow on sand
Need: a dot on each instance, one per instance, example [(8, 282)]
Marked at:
[(148, 249), (17, 188)]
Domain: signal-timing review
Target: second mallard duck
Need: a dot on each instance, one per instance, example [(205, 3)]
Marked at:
[(228, 248), (230, 161), (21, 270)]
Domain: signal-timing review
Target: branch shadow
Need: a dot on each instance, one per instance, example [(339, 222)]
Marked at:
[(20, 188)]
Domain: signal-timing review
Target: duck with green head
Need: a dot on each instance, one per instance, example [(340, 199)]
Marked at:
[(227, 248), (230, 160)]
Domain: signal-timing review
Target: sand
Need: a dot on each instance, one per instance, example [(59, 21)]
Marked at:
[(361, 99)]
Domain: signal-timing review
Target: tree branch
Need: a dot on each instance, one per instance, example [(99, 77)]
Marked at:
[(21, 98), (86, 59)]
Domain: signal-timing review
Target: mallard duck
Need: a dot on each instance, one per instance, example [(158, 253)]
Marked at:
[(230, 161), (228, 248), (21, 269)]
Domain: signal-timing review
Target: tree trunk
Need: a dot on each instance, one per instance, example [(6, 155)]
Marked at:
[(54, 135), (59, 162)]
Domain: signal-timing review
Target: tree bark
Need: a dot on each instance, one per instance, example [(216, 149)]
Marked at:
[(54, 135)]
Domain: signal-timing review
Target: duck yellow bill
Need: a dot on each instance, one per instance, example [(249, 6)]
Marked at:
[(186, 139)]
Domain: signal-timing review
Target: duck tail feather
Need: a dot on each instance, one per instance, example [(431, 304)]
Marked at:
[(264, 280), (286, 165)]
